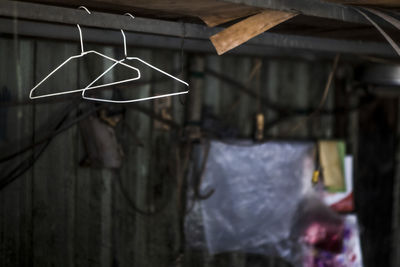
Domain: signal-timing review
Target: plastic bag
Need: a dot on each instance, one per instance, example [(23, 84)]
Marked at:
[(257, 190)]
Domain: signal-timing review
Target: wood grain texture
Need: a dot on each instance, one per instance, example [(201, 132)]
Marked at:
[(246, 29), (54, 184), (16, 200)]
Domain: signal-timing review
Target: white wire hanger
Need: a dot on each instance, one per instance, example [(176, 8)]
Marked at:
[(82, 54), (142, 61)]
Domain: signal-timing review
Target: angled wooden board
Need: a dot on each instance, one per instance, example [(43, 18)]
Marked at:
[(246, 29)]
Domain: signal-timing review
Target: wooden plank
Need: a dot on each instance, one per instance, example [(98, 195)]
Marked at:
[(395, 251), (228, 115), (24, 118), (93, 236), (212, 12), (160, 188), (270, 91), (54, 184), (212, 88), (291, 75), (178, 103), (245, 109), (320, 126), (376, 158), (124, 218), (301, 81), (15, 199), (143, 157), (245, 30)]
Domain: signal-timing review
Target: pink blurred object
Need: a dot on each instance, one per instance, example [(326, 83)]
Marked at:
[(324, 235), (350, 254)]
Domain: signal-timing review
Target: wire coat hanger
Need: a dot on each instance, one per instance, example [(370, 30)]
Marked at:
[(82, 54), (142, 61)]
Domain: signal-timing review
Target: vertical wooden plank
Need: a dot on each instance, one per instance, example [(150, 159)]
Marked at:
[(178, 103), (128, 233), (395, 251), (228, 98), (161, 189), (124, 217), (285, 94), (84, 209), (246, 106), (300, 92), (25, 118), (194, 257), (293, 92), (320, 126), (93, 241), (106, 218), (376, 163), (8, 219), (53, 184), (15, 211), (270, 72), (212, 88), (243, 109), (107, 189), (195, 97), (137, 172), (143, 157)]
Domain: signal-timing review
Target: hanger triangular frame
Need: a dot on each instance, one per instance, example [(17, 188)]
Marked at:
[(82, 54), (138, 99)]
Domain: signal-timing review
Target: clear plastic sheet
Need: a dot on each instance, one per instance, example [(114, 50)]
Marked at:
[(258, 188)]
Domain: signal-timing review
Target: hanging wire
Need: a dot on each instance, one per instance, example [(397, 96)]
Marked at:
[(80, 30), (124, 37)]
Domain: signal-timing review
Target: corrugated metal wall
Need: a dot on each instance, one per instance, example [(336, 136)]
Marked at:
[(61, 214)]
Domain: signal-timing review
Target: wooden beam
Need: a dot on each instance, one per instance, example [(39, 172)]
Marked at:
[(212, 12), (243, 31)]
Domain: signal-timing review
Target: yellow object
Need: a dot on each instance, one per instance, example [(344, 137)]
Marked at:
[(331, 157), (260, 127), (315, 177)]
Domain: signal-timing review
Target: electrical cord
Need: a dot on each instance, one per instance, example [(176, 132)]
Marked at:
[(51, 135), (282, 110), (25, 165), (268, 126), (132, 204)]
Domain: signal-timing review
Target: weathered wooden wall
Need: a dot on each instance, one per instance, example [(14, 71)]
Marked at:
[(61, 214)]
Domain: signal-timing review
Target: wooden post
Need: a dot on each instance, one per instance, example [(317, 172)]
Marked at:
[(195, 97)]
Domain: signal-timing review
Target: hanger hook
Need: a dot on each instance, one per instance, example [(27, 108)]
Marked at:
[(85, 8), (123, 34), (79, 28)]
